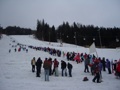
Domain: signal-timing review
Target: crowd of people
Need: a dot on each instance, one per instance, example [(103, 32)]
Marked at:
[(51, 67), (92, 64)]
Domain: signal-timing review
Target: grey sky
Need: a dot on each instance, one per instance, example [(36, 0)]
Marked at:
[(24, 13)]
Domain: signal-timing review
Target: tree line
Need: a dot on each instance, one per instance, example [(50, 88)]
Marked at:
[(14, 30), (78, 34)]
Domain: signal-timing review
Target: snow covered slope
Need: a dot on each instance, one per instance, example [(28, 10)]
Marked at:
[(16, 74)]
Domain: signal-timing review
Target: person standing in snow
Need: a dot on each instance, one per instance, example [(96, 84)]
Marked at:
[(104, 64), (46, 66), (63, 67), (56, 64), (33, 61), (97, 73), (86, 62), (108, 65), (118, 69), (77, 58), (38, 67), (69, 69), (100, 68), (50, 70)]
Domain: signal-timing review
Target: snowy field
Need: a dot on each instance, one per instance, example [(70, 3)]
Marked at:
[(16, 74)]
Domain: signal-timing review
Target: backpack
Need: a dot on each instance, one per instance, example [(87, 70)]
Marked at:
[(85, 79)]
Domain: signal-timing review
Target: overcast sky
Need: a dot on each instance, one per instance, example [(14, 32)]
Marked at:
[(24, 13)]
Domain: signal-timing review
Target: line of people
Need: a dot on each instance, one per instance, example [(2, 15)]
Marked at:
[(48, 70)]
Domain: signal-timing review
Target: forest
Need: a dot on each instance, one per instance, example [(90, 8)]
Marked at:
[(78, 34)]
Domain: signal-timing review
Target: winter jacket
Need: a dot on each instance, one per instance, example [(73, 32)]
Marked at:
[(77, 58), (56, 63), (100, 66), (39, 63), (63, 64), (97, 70), (107, 63), (33, 61), (46, 64), (118, 67), (69, 66), (87, 61)]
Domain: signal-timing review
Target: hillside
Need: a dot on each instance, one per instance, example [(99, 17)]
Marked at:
[(16, 74)]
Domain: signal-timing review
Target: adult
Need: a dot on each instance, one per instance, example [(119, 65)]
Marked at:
[(70, 69), (38, 67), (50, 69), (63, 67), (86, 63), (55, 69), (46, 67), (97, 74), (103, 63), (33, 61), (118, 70), (108, 65)]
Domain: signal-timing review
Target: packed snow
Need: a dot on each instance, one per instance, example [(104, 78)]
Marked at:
[(16, 73)]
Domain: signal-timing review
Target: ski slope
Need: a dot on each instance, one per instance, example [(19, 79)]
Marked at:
[(16, 74)]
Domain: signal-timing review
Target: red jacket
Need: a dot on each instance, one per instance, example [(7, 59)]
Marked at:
[(118, 67), (77, 57), (56, 63)]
